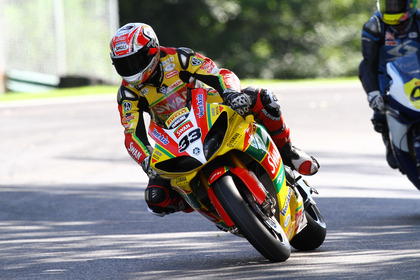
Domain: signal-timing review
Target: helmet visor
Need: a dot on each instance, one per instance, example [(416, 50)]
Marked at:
[(133, 63)]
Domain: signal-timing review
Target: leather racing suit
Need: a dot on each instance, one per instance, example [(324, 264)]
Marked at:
[(382, 43)]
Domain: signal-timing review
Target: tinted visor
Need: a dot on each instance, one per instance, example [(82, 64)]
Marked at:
[(393, 6), (132, 64)]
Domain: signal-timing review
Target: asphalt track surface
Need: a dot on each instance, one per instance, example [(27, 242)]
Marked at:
[(72, 204)]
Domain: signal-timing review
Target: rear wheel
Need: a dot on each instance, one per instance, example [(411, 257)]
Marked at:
[(261, 231), (313, 234)]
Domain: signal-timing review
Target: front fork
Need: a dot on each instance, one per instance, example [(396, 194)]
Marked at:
[(238, 168)]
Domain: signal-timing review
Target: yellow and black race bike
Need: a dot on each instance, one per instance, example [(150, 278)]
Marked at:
[(229, 170)]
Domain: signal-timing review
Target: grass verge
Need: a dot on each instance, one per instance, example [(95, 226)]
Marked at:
[(97, 90)]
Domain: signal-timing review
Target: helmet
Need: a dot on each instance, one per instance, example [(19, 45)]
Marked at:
[(394, 12), (135, 52)]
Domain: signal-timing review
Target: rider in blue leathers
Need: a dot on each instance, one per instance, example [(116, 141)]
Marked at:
[(393, 31)]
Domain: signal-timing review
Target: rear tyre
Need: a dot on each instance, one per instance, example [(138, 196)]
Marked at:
[(273, 246), (313, 235)]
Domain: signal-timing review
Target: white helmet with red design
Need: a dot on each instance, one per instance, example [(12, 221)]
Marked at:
[(135, 52)]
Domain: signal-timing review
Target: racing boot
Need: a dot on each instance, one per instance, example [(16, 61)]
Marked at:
[(298, 160), (163, 200)]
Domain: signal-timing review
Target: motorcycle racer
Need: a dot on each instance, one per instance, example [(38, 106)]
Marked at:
[(392, 32), (150, 74)]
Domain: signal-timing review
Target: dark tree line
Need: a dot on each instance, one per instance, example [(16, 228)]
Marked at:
[(280, 39)]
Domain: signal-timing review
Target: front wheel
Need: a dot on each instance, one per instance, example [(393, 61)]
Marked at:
[(272, 245)]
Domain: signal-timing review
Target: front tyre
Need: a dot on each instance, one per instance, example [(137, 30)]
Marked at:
[(273, 246)]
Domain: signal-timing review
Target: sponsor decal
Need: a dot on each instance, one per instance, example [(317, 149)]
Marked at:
[(183, 128), (175, 115), (163, 89), (171, 74), (176, 122), (390, 39), (172, 103), (200, 103), (119, 47), (210, 67), (206, 65), (174, 85), (286, 221), (389, 36), (169, 60), (195, 61), (215, 111), (215, 71), (169, 67), (391, 43), (289, 232), (234, 140), (120, 38), (196, 151), (144, 91), (230, 80), (181, 181), (412, 35), (134, 152), (127, 105), (160, 137), (286, 205), (128, 131), (274, 160), (128, 117)]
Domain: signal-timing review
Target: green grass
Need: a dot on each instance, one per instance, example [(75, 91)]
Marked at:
[(97, 90), (56, 93), (267, 83)]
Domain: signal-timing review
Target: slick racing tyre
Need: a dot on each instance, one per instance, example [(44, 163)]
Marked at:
[(272, 245), (313, 234)]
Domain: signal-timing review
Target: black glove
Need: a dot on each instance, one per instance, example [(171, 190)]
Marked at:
[(238, 101)]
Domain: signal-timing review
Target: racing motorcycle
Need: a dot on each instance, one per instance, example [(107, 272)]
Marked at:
[(229, 170), (403, 114)]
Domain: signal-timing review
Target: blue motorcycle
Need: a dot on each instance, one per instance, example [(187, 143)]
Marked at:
[(403, 114)]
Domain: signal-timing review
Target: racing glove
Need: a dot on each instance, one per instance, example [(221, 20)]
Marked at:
[(376, 102), (145, 164), (238, 101)]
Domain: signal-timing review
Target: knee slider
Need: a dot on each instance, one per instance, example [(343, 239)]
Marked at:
[(270, 103), (156, 195), (380, 125)]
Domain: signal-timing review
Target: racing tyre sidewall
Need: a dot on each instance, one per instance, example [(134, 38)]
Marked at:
[(272, 247)]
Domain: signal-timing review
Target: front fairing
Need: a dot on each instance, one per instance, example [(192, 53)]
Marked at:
[(181, 143), (404, 90), (403, 98)]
